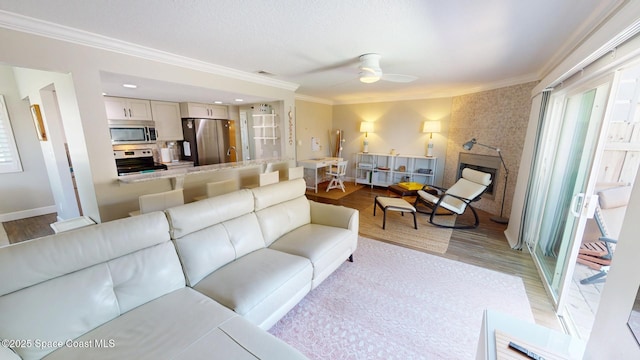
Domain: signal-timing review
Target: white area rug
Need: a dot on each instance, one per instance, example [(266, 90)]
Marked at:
[(397, 303)]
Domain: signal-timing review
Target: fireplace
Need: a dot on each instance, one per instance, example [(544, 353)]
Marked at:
[(485, 163)]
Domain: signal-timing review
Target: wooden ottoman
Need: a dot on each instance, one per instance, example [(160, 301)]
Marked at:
[(394, 204)]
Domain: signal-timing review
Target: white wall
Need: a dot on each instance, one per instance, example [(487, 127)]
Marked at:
[(313, 120), (397, 125), (25, 193)]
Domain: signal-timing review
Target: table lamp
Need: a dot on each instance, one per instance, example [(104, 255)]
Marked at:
[(366, 128), (430, 127)]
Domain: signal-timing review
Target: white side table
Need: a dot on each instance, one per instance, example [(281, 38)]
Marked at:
[(526, 334), (70, 224)]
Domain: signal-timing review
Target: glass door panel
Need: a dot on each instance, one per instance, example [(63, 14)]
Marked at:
[(556, 212)]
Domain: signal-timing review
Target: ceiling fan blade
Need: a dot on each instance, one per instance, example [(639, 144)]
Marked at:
[(399, 78), (335, 66)]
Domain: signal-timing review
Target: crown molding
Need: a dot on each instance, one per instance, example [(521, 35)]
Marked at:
[(51, 30), (312, 99)]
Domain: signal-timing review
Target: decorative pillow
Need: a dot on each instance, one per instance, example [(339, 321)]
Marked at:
[(411, 185), (614, 197)]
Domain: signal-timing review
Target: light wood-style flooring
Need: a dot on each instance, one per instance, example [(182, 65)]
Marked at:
[(485, 246)]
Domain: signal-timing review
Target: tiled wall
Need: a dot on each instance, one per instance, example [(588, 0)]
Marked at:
[(497, 118)]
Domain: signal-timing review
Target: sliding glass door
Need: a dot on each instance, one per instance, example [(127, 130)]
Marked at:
[(559, 201)]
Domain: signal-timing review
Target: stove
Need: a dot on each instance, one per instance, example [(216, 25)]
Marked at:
[(136, 162)]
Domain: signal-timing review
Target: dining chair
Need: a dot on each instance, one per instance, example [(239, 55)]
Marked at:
[(159, 201), (337, 172)]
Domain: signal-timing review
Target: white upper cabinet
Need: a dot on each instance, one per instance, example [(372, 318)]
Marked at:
[(203, 111), (166, 116), (127, 109)]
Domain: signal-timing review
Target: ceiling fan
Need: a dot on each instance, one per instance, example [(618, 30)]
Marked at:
[(371, 72)]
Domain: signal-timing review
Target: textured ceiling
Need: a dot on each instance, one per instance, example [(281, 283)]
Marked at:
[(453, 47)]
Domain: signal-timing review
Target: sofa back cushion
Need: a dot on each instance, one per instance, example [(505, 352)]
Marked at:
[(214, 232), (273, 194), (209, 249), (64, 285), (198, 215), (281, 208)]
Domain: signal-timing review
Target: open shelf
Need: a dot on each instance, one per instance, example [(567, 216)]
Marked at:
[(375, 169)]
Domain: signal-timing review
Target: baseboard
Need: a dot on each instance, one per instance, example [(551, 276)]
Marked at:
[(17, 215)]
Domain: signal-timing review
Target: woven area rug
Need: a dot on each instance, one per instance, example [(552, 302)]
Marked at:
[(334, 194), (397, 303), (400, 230)]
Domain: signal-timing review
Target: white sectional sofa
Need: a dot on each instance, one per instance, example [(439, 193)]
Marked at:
[(124, 290)]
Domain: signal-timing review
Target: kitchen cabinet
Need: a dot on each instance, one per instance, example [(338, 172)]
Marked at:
[(127, 109), (203, 111), (166, 116), (265, 127), (386, 169)]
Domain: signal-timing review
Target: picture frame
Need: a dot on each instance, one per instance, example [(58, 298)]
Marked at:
[(39, 123)]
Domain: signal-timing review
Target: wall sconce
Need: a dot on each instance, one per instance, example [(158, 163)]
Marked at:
[(431, 127), (366, 128)]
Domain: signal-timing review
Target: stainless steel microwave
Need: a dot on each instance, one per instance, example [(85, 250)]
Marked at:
[(132, 132)]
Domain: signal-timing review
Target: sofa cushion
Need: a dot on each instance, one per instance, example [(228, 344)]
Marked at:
[(189, 218), (59, 309), (269, 195), (280, 219), (259, 284), (326, 246), (208, 249), (75, 281), (78, 249), (145, 275), (183, 324)]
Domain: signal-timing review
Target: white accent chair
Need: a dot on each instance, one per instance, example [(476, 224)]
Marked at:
[(159, 201), (216, 188), (337, 172), (457, 198)]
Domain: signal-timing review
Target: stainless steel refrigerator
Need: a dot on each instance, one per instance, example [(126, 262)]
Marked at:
[(208, 141)]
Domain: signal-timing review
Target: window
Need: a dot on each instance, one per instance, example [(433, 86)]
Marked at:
[(9, 159)]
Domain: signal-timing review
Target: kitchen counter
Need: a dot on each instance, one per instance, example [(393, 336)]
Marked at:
[(178, 164), (177, 175)]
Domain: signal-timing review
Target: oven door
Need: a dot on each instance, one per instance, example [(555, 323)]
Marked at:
[(123, 134)]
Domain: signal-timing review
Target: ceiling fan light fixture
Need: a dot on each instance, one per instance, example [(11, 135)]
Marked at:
[(368, 78), (370, 75)]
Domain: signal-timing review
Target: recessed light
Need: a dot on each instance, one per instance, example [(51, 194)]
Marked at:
[(217, 102), (130, 86), (239, 100)]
